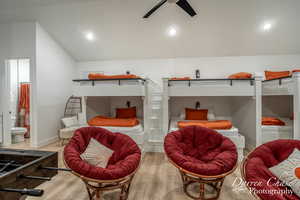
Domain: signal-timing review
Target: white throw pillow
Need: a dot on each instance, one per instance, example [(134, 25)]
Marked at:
[(70, 121), (286, 171), (96, 154)]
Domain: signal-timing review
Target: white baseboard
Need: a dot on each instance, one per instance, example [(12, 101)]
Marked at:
[(48, 141)]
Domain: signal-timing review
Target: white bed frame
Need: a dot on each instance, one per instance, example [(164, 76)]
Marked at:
[(219, 87), (286, 86), (109, 87), (113, 88)]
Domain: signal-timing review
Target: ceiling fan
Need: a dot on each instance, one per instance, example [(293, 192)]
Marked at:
[(184, 4)]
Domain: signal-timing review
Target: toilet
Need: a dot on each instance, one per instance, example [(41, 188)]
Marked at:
[(17, 134)]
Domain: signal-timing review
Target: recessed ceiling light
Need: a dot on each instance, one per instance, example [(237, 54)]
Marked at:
[(172, 31), (90, 36), (267, 26)]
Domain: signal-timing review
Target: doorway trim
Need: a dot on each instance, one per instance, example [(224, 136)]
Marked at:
[(6, 104)]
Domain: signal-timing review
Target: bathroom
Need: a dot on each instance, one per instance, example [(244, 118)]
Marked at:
[(19, 102)]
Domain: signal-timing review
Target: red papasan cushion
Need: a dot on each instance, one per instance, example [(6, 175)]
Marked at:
[(124, 161), (201, 151), (257, 168)]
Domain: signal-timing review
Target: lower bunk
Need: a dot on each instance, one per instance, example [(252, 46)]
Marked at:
[(279, 128), (228, 131), (132, 127)]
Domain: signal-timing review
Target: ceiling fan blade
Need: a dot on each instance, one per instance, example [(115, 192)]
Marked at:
[(187, 7), (155, 8)]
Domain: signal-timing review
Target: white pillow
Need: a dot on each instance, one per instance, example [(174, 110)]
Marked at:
[(96, 154), (285, 171), (70, 121), (210, 114)]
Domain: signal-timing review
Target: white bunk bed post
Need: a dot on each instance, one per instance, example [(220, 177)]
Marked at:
[(83, 106), (258, 96), (146, 113), (296, 77), (165, 106)]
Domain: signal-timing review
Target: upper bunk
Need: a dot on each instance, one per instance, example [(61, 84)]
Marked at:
[(110, 87), (279, 86), (210, 87)]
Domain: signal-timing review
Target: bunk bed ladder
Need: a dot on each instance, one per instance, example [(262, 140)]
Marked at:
[(155, 117), (73, 106)]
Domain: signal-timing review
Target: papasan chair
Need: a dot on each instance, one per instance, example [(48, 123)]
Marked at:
[(202, 156), (121, 167), (255, 168)]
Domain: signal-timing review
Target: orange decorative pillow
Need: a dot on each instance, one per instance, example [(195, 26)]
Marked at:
[(240, 75), (297, 172), (125, 113), (273, 75), (195, 114)]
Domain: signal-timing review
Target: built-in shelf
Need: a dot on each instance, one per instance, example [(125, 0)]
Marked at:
[(116, 79), (189, 81), (278, 79)]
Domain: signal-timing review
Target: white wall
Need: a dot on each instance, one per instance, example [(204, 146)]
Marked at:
[(209, 66), (244, 117), (17, 40), (221, 106), (55, 70), (106, 106), (280, 106)]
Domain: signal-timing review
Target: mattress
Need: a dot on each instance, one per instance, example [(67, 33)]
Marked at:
[(135, 132), (288, 126), (226, 132), (270, 133), (125, 130)]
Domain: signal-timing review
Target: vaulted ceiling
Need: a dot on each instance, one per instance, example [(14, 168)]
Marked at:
[(221, 28)]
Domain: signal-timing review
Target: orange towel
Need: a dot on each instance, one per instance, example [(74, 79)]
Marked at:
[(180, 78), (24, 100), (240, 75), (274, 75), (102, 76), (218, 124), (24, 104), (272, 121), (109, 121)]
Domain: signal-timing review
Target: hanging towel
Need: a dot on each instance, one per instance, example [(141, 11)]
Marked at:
[(24, 106)]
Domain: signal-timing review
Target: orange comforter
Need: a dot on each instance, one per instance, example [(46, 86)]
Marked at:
[(217, 124), (180, 78), (102, 76), (108, 121), (272, 121)]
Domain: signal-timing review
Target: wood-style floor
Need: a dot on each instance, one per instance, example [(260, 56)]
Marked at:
[(156, 179)]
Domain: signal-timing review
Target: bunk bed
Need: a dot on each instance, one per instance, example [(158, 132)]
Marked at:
[(116, 87), (247, 87), (283, 86), (273, 132)]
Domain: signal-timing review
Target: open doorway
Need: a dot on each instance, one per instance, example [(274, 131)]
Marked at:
[(17, 105)]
